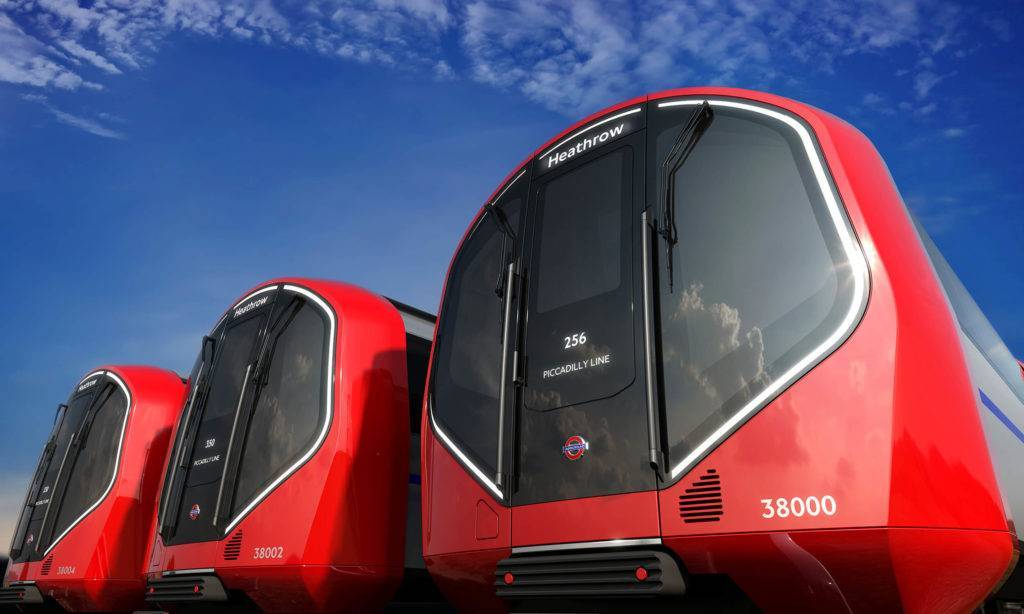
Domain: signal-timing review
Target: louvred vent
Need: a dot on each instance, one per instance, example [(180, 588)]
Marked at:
[(47, 564), (702, 502), (234, 547)]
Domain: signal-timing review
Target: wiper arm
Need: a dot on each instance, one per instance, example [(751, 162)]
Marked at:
[(508, 236), (685, 141)]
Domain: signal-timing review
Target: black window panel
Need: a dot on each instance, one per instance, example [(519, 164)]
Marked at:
[(18, 545), (417, 357), (973, 321), (467, 373), (290, 404), (95, 465), (582, 284), (180, 435), (760, 277), (226, 382), (72, 423)]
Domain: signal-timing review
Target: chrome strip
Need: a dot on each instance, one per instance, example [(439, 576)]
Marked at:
[(653, 435), (117, 461), (328, 396), (609, 543), (186, 572), (853, 253), (502, 396), (417, 326)]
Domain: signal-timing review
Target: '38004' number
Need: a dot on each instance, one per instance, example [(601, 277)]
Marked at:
[(799, 507)]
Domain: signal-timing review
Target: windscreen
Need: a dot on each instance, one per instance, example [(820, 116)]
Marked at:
[(289, 400), (92, 473), (76, 468), (761, 285)]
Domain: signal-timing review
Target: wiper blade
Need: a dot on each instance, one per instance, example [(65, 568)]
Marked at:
[(685, 141)]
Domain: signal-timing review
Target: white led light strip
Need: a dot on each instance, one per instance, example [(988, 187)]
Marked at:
[(461, 455), (589, 128), (857, 264), (117, 459)]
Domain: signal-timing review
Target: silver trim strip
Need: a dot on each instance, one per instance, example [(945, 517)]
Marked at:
[(502, 396), (608, 543), (653, 435), (417, 326), (186, 572), (329, 403), (857, 263), (589, 128), (117, 459)]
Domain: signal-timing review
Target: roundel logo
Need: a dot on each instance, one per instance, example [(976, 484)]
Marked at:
[(575, 446), (194, 512)]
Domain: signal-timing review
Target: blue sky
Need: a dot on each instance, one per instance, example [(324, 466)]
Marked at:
[(158, 157)]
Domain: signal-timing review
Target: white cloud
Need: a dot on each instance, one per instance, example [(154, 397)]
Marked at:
[(97, 60), (953, 133), (83, 123), (569, 56), (580, 55), (23, 61)]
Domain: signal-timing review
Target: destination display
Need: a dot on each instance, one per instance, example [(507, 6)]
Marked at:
[(599, 133)]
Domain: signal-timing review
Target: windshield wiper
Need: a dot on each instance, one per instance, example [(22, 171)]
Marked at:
[(508, 235), (685, 141)]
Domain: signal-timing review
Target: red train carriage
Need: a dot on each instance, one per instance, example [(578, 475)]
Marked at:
[(288, 484), (81, 541), (693, 351)]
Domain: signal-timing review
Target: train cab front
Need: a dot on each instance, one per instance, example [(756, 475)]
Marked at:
[(288, 482), (80, 540), (658, 380)]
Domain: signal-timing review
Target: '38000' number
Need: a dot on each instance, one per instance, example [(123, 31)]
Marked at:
[(799, 507)]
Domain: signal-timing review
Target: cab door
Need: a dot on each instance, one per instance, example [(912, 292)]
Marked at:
[(581, 412), (207, 442)]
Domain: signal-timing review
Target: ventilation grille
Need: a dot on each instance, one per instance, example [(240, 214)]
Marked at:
[(234, 547), (47, 564), (702, 502)]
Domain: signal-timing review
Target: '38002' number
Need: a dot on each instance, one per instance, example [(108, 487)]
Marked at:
[(799, 507)]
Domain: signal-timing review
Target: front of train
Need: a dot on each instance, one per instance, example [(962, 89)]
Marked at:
[(691, 351), (277, 494), (80, 540)]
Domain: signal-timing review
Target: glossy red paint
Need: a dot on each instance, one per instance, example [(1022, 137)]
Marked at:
[(887, 426), (340, 518), (98, 565)]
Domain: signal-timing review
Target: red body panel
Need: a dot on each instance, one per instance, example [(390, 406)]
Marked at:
[(99, 564), (887, 426), (340, 518)]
